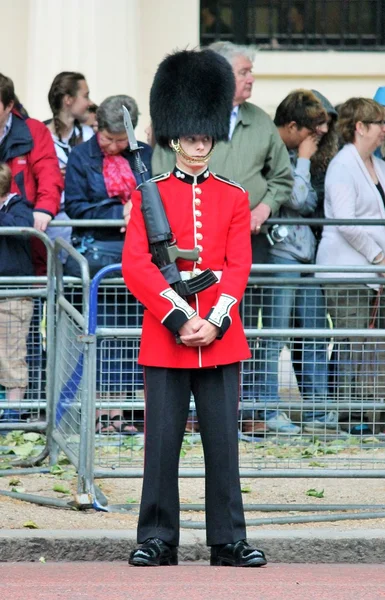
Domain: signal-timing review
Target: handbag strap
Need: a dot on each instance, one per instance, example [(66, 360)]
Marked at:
[(375, 307)]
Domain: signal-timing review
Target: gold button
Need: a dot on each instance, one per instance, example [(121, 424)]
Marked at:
[(198, 213), (200, 248), (198, 190), (198, 224), (199, 260), (197, 201), (199, 236)]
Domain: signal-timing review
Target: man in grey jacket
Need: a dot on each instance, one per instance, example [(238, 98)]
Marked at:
[(301, 120), (254, 157)]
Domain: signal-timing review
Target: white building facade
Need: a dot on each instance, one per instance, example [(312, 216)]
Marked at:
[(118, 44)]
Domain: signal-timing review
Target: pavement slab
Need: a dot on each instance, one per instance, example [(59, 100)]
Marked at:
[(118, 581)]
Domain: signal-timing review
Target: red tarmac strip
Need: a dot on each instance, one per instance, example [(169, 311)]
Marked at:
[(190, 581)]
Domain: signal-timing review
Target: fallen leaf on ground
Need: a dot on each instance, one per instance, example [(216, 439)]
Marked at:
[(30, 525), (313, 492), (59, 487)]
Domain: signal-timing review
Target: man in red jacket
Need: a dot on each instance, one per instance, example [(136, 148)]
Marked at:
[(192, 343), (27, 147)]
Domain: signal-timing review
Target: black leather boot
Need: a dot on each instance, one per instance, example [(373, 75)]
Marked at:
[(154, 553), (238, 554)]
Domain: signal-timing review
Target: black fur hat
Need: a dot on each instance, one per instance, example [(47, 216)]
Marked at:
[(192, 94)]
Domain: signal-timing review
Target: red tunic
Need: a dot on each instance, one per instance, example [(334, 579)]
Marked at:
[(213, 214)]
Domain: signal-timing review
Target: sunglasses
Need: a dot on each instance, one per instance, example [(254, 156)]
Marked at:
[(380, 122)]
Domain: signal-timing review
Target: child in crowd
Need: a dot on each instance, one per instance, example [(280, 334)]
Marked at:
[(89, 118), (15, 313)]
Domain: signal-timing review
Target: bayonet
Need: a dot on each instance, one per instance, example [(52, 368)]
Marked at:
[(130, 130), (134, 147)]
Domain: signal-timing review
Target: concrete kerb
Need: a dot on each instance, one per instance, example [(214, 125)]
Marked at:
[(294, 546)]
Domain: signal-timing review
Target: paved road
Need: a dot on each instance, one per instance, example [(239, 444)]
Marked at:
[(190, 581)]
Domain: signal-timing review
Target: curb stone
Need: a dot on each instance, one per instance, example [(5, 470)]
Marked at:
[(289, 546)]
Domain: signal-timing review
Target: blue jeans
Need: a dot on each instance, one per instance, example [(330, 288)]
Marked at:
[(280, 304)]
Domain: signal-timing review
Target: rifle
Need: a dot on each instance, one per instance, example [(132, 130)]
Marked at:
[(163, 248)]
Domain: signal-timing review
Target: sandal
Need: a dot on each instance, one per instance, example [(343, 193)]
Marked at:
[(103, 425), (122, 427)]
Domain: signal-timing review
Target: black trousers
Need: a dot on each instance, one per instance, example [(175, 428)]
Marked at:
[(216, 393)]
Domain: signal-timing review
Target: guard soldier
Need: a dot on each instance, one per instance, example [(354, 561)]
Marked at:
[(193, 339)]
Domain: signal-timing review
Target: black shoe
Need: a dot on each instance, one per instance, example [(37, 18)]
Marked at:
[(154, 553), (239, 554)]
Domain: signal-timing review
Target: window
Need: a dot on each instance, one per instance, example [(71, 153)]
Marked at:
[(296, 24)]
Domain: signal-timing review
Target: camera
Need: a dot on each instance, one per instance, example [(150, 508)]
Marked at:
[(276, 233)]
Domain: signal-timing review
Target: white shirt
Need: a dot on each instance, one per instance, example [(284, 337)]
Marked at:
[(233, 120), (62, 146), (7, 127), (63, 149)]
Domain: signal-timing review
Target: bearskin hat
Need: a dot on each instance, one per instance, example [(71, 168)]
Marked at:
[(192, 94)]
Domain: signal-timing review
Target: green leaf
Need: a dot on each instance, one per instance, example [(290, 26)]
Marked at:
[(17, 436), (30, 525), (10, 442), (14, 481), (313, 492), (18, 490), (246, 489), (131, 501), (42, 560), (62, 489), (24, 450), (56, 470), (32, 437), (316, 464), (333, 450)]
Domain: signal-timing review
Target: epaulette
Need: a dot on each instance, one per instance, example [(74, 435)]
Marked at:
[(229, 181), (161, 177)]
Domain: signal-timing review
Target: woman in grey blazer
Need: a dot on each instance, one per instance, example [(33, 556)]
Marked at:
[(355, 189)]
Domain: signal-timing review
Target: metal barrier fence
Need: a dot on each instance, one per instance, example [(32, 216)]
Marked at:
[(27, 345), (101, 376), (96, 375)]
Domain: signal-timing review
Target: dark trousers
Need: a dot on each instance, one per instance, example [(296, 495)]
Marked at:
[(216, 393)]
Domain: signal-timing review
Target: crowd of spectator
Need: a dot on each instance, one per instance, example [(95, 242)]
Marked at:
[(309, 161)]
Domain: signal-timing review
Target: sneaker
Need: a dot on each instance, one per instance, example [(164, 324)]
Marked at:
[(360, 429), (328, 421), (281, 423), (10, 415)]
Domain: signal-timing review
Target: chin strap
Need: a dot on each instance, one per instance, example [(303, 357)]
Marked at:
[(176, 146)]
